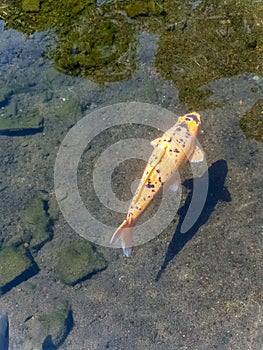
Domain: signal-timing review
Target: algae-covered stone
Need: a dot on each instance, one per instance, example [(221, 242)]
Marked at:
[(13, 119), (30, 5), (50, 330), (15, 267), (78, 261), (37, 222)]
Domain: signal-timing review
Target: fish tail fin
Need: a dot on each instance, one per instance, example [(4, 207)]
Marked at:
[(125, 233)]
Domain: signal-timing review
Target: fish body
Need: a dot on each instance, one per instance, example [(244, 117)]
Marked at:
[(171, 151)]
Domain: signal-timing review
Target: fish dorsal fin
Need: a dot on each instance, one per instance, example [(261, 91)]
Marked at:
[(162, 142), (197, 155)]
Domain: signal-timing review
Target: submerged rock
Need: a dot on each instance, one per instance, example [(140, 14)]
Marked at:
[(18, 111), (78, 261), (50, 330), (38, 223), (68, 110), (16, 265), (15, 124)]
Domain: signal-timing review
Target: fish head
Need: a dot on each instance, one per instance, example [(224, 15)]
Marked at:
[(192, 120)]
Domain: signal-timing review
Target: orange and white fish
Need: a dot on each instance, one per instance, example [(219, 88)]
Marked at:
[(171, 151)]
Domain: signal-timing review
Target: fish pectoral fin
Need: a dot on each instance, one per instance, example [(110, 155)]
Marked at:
[(197, 155), (174, 187), (156, 142), (125, 233), (174, 184)]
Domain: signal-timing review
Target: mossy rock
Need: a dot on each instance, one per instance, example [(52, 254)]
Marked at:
[(15, 267), (38, 224), (13, 120), (78, 261), (252, 122), (49, 331)]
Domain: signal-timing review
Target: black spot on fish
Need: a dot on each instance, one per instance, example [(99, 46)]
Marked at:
[(153, 190), (160, 179), (158, 171), (169, 140), (149, 185), (178, 129)]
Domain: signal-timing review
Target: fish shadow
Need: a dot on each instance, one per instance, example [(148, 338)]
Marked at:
[(217, 192)]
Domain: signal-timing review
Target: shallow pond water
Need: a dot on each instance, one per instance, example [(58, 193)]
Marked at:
[(59, 65)]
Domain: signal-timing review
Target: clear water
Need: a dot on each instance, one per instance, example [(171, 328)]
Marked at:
[(196, 290)]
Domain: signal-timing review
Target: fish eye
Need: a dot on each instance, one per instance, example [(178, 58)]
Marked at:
[(192, 117)]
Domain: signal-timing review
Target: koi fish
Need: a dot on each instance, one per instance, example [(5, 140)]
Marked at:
[(171, 151)]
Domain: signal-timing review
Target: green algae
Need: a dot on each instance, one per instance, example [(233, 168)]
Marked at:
[(197, 44), (96, 48), (208, 44), (77, 261), (30, 5), (143, 8), (15, 266), (251, 122), (90, 42)]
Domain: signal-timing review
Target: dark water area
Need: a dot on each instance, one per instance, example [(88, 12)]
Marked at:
[(60, 64)]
